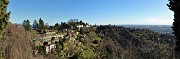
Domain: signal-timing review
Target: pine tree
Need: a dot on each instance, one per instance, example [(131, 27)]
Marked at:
[(82, 23), (57, 26), (174, 5), (4, 16), (35, 24), (41, 25), (26, 25)]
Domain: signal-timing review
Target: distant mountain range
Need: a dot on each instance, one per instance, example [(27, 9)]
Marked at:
[(162, 29)]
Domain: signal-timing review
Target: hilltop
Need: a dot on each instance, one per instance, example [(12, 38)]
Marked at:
[(137, 43), (78, 40)]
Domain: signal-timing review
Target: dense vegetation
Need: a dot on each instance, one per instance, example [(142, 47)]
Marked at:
[(4, 16), (4, 21), (100, 42), (16, 42), (136, 43), (174, 5), (92, 42), (112, 42)]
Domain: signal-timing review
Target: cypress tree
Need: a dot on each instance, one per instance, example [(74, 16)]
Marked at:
[(4, 16)]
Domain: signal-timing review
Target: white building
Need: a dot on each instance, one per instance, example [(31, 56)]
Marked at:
[(79, 27), (49, 47)]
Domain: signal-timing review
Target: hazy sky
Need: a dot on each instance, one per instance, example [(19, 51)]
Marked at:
[(151, 12)]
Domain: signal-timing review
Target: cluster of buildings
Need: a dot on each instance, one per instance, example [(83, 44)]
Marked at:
[(51, 38)]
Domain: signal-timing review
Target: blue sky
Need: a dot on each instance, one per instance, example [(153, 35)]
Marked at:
[(148, 12)]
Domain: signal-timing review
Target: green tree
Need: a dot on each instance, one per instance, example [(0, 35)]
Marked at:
[(51, 27), (65, 25), (174, 5), (41, 25), (26, 25), (82, 23), (4, 16), (35, 24), (57, 26)]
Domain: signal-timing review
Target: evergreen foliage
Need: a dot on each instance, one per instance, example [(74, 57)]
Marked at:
[(105, 42), (174, 5), (138, 43), (57, 26), (26, 25), (4, 16), (41, 25), (35, 24)]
